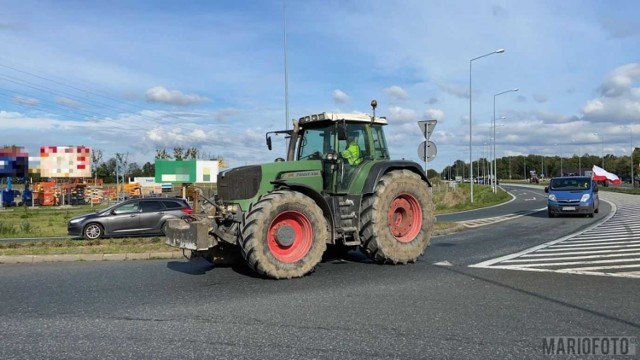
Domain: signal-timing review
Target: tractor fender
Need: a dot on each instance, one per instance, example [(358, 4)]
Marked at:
[(379, 169), (316, 197)]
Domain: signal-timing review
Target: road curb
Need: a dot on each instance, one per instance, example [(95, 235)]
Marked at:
[(33, 259)]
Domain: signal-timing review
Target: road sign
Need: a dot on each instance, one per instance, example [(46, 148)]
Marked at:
[(429, 148), (426, 127)]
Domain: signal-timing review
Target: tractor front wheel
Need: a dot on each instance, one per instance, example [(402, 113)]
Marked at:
[(397, 220), (283, 235)]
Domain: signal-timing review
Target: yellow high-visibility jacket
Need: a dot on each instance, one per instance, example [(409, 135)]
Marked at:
[(352, 154)]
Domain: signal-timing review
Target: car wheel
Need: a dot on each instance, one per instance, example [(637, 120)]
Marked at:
[(93, 231), (164, 228)]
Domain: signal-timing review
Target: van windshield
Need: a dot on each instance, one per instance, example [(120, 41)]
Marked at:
[(570, 184)]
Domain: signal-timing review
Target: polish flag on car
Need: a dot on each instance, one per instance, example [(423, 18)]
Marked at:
[(600, 174)]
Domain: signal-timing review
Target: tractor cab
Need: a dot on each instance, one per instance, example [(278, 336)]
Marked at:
[(343, 142)]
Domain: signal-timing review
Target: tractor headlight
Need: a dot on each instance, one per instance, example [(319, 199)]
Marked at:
[(585, 198), (234, 208), (552, 197), (331, 156)]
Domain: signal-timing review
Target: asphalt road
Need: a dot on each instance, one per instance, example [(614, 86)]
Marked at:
[(526, 199), (348, 309)]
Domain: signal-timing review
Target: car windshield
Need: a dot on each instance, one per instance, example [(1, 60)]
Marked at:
[(570, 184)]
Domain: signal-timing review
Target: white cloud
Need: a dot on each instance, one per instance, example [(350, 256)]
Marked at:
[(432, 101), (224, 114), (64, 101), (160, 94), (26, 101), (435, 114), (458, 91), (339, 96), (401, 115), (396, 93), (539, 98), (620, 80), (619, 101)]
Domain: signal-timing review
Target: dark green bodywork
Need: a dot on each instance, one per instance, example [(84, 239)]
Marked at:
[(317, 168)]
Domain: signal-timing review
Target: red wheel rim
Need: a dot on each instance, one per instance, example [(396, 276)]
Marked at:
[(405, 217), (299, 236)]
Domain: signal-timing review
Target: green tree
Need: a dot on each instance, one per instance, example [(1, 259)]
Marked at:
[(96, 158), (191, 153), (134, 170), (162, 154), (148, 169), (178, 153), (107, 171)]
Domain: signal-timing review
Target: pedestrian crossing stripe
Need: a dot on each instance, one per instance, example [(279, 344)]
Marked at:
[(496, 219), (611, 250)]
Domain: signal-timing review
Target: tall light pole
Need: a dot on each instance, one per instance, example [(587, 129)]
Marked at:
[(561, 169), (499, 51), (633, 183), (579, 158), (602, 138), (494, 179), (286, 77)]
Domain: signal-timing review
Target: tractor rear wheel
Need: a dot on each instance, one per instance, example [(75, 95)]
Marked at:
[(397, 220), (283, 235)]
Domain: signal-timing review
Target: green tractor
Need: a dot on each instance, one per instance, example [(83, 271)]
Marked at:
[(337, 188)]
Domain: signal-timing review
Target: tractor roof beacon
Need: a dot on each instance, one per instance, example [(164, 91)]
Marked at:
[(282, 216)]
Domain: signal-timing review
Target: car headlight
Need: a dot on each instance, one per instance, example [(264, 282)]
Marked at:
[(73, 221), (552, 197), (585, 198)]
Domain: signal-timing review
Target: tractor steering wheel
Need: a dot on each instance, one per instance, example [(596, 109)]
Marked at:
[(313, 155)]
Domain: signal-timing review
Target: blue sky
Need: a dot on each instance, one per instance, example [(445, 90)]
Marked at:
[(135, 76)]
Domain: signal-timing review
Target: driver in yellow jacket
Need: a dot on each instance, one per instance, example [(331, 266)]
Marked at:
[(352, 152)]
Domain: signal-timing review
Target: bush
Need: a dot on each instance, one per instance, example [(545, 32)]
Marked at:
[(7, 229), (26, 227)]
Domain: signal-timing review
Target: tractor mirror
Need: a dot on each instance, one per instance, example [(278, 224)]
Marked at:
[(269, 142), (342, 132)]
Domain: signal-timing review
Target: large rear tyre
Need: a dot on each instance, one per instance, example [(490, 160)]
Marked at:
[(283, 235), (397, 220)]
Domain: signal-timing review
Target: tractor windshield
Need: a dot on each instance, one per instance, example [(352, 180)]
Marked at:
[(316, 142)]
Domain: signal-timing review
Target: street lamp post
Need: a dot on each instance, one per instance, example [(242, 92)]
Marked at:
[(633, 183), (499, 51), (494, 179), (579, 158), (561, 169), (602, 140)]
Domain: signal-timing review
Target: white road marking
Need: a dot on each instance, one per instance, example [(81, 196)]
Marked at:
[(572, 257), (496, 219), (443, 263), (609, 248)]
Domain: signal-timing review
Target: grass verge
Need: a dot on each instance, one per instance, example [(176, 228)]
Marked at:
[(108, 246)]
